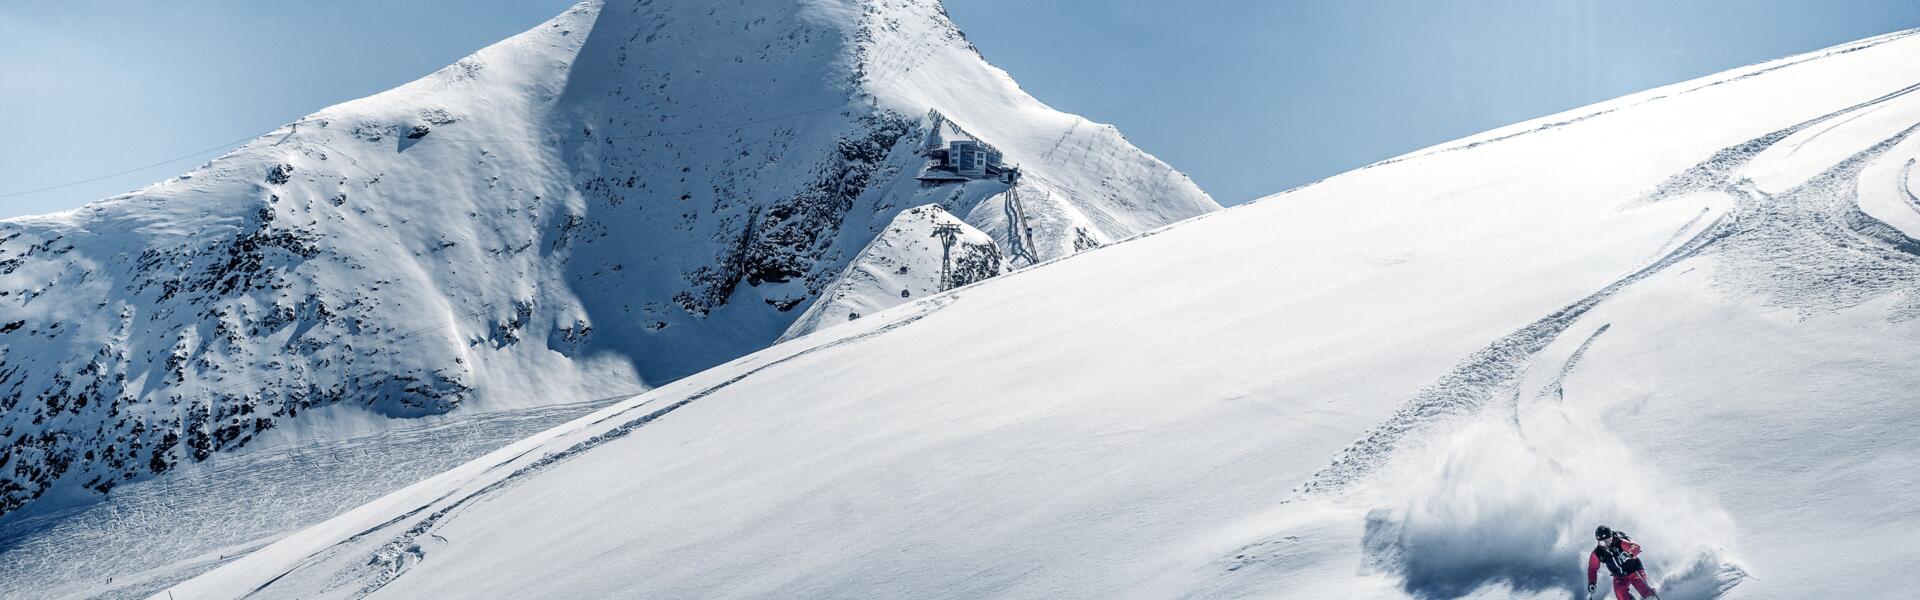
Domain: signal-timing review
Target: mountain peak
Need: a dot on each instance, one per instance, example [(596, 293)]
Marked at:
[(624, 195)]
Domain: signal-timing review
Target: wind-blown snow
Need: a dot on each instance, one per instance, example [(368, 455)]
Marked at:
[(625, 195), (1429, 378)]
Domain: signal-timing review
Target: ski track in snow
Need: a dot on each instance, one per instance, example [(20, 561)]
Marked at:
[(151, 534), (1557, 386), (1819, 218), (1810, 247), (1679, 234), (1906, 184), (1481, 375), (391, 559)]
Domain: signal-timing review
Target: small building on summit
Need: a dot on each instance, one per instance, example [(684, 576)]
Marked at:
[(964, 160), (971, 158)]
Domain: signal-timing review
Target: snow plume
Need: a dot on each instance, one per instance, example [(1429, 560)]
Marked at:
[(1510, 501)]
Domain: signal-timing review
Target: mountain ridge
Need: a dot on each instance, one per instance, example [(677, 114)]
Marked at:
[(626, 194)]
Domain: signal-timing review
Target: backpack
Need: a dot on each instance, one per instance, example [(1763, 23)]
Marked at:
[(1615, 557)]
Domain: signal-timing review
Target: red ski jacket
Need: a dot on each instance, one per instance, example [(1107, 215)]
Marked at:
[(1620, 555)]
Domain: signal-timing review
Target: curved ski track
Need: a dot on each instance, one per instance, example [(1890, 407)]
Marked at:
[(391, 559), (1859, 257)]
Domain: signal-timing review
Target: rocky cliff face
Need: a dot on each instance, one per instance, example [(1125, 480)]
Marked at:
[(627, 194), (924, 251)]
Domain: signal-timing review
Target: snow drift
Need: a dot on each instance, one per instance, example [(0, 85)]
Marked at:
[(627, 194)]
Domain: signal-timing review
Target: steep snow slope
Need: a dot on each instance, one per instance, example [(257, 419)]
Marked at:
[(627, 194), (1671, 313), (908, 260), (156, 532)]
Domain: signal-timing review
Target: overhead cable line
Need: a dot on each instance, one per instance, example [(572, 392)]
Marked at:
[(132, 170)]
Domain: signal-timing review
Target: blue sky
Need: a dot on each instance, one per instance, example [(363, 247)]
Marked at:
[(1250, 97)]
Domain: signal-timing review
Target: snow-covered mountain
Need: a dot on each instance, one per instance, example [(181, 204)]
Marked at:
[(1686, 313), (630, 193), (911, 258)]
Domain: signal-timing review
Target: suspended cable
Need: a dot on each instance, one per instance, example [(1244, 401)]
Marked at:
[(132, 170)]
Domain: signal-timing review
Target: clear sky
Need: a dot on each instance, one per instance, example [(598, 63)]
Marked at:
[(1250, 97)]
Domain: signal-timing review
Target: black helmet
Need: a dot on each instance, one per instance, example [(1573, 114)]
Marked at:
[(1602, 533)]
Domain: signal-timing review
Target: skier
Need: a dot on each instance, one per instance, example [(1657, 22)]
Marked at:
[(1622, 558)]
